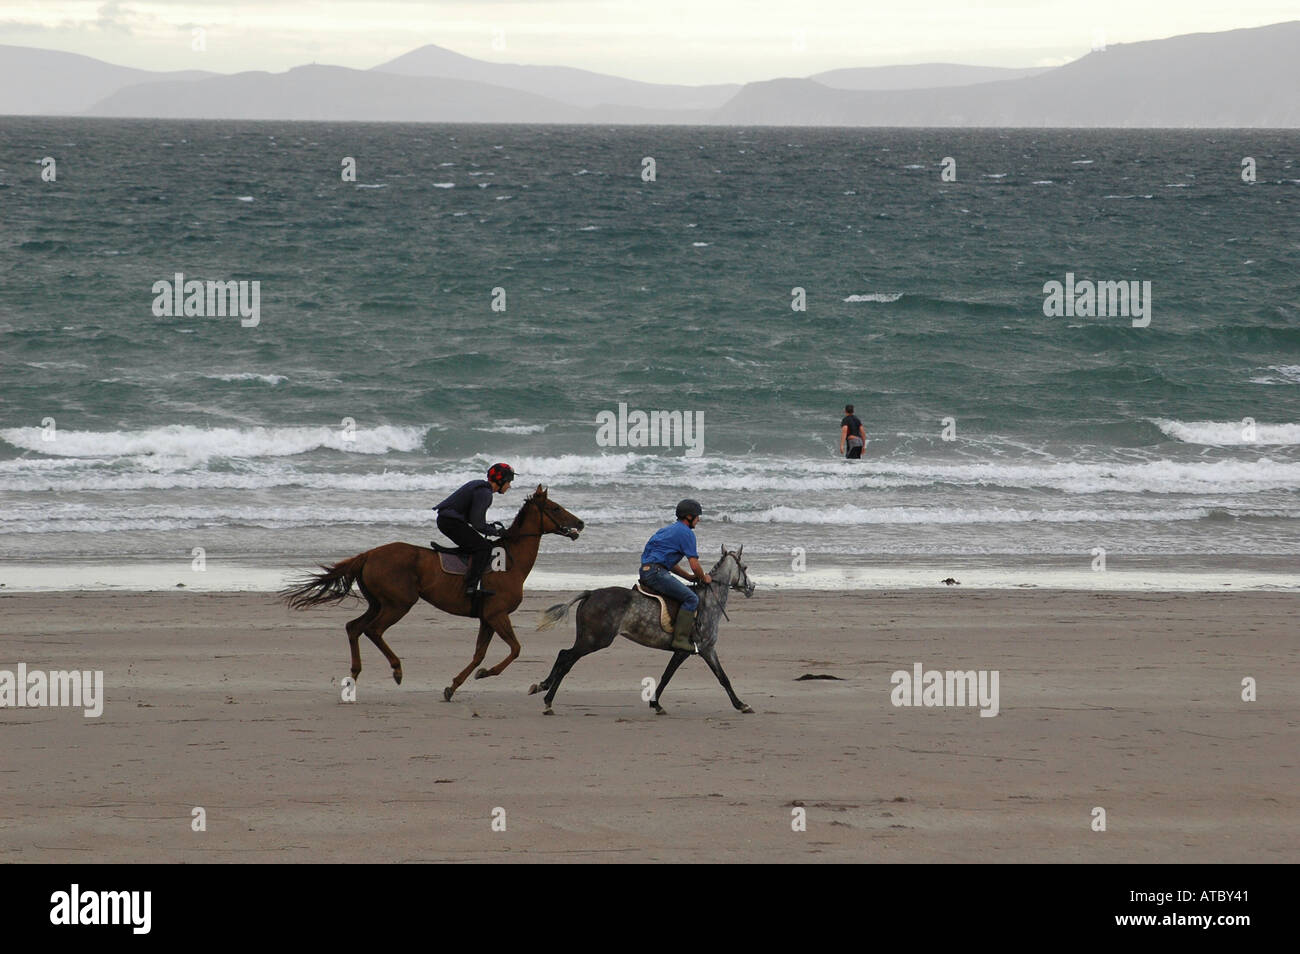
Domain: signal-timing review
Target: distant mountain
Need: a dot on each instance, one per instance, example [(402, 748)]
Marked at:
[(563, 83), (919, 76), (1239, 78), (335, 93), (49, 82)]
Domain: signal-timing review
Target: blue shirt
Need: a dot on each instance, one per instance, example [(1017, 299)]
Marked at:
[(669, 545)]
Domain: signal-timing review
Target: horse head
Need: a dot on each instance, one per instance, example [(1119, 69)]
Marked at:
[(554, 518), (730, 570)]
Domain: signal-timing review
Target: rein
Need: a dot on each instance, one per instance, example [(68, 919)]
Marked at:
[(541, 513), (708, 588)]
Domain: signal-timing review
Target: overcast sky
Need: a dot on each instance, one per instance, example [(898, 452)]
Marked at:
[(666, 41)]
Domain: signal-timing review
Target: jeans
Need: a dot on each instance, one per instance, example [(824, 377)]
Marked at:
[(662, 581)]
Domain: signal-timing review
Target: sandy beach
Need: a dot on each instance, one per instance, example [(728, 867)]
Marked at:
[(230, 703)]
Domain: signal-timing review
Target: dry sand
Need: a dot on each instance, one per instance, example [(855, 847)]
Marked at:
[(1127, 702)]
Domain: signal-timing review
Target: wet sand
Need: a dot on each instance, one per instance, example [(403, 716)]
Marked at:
[(229, 702)]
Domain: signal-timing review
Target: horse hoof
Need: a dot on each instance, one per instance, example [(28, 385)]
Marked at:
[(397, 675), (534, 689), (482, 674), (446, 694), (548, 711), (659, 710), (747, 709)]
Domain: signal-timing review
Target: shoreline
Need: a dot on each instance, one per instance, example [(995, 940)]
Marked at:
[(1187, 574)]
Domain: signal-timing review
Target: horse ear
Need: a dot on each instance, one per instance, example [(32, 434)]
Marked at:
[(739, 552), (541, 490), (724, 552)]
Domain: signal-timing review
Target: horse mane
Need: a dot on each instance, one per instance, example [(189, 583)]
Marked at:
[(517, 523)]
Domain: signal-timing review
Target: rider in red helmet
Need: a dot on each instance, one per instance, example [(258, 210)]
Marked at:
[(463, 518)]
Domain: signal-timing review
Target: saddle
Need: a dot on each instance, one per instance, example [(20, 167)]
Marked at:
[(667, 608), (455, 560)]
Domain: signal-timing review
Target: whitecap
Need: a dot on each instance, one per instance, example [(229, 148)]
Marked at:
[(876, 296)]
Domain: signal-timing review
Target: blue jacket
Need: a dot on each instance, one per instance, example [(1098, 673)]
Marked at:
[(469, 503)]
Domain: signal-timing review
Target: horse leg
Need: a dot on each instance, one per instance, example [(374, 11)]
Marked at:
[(563, 663), (386, 617), (679, 657), (551, 676), (480, 650), (711, 657), (506, 632), (358, 626)]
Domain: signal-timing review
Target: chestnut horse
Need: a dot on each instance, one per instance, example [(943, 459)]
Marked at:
[(393, 577)]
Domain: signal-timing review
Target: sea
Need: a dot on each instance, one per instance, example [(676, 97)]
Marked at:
[(432, 299)]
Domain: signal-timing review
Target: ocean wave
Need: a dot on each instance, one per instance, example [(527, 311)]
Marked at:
[(1286, 374), (513, 429), (1229, 433), (201, 443), (927, 515), (638, 474), (83, 518), (876, 296), (271, 379)]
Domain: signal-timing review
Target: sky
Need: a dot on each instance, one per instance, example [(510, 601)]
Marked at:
[(663, 41)]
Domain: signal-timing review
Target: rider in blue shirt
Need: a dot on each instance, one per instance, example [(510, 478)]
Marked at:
[(663, 551)]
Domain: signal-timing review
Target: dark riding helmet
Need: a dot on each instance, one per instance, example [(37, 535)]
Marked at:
[(501, 473), (689, 508)]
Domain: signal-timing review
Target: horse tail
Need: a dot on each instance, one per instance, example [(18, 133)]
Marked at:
[(332, 586), (557, 612)]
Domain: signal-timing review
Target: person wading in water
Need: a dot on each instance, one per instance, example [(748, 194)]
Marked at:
[(852, 434), (663, 551), (463, 518)]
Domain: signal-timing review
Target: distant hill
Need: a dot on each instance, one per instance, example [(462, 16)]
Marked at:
[(1238, 78), (919, 76), (335, 93), (49, 82), (562, 83)]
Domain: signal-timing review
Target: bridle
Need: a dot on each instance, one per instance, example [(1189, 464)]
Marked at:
[(542, 514), (708, 587)]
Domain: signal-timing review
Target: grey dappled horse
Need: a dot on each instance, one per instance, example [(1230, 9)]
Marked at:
[(617, 611)]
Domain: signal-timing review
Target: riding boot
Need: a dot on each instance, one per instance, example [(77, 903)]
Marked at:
[(682, 630), (477, 566)]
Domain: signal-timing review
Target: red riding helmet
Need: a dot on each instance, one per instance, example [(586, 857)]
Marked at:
[(501, 473)]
